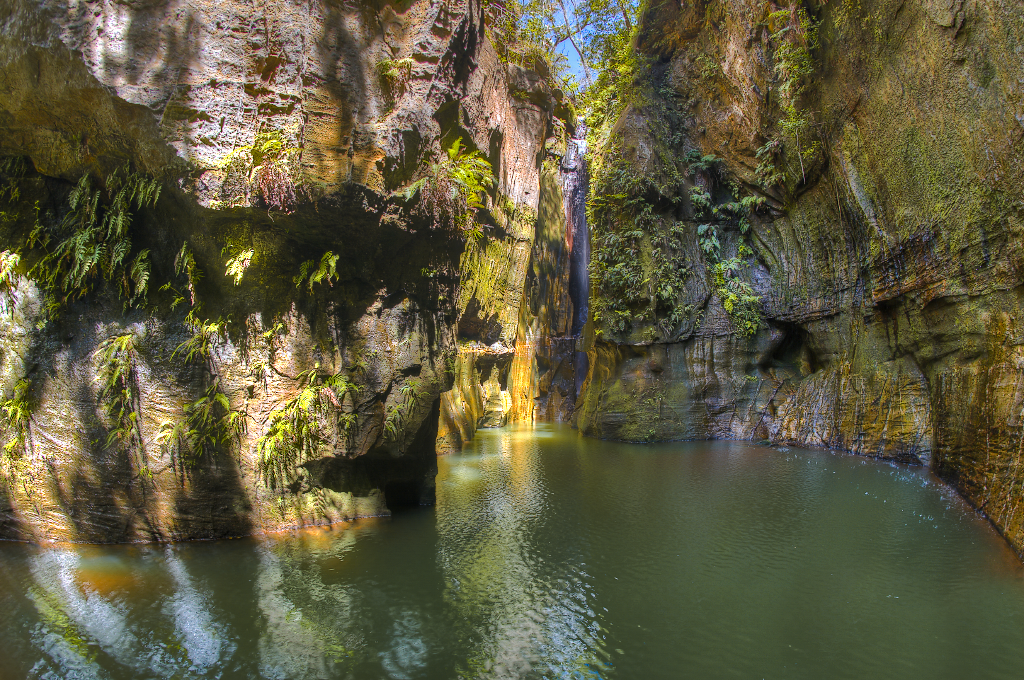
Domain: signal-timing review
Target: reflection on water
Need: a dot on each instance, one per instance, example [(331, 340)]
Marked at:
[(530, 615), (552, 556)]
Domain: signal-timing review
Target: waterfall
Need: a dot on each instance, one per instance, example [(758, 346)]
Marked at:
[(575, 186)]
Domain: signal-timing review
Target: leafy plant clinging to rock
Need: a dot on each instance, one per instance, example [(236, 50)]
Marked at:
[(94, 240), (16, 413), (9, 262), (237, 265), (208, 423), (636, 268), (454, 186), (312, 273), (301, 426), (269, 166), (118, 387), (395, 73), (202, 335), (795, 36)]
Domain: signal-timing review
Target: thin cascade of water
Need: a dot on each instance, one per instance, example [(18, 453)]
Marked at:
[(575, 187)]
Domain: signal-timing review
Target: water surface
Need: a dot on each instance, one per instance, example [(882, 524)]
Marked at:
[(553, 556)]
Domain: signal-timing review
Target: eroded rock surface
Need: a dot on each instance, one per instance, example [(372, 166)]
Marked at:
[(280, 135), (881, 241)]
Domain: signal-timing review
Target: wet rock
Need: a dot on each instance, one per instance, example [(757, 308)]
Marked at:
[(886, 251)]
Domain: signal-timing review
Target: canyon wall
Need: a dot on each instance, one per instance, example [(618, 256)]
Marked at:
[(817, 236), (290, 371)]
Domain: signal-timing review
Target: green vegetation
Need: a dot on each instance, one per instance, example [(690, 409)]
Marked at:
[(237, 264), (794, 36), (767, 172), (454, 187), (9, 262), (637, 269), (119, 392), (312, 273), (535, 34), (395, 75), (207, 424), (203, 335), (13, 168), (94, 241), (298, 430), (738, 298), (412, 391), (267, 169), (521, 32), (16, 415)]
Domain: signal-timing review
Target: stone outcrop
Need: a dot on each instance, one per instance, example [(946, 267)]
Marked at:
[(534, 302), (280, 135), (881, 147)]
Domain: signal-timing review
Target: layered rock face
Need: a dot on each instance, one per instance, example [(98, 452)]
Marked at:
[(833, 191), (516, 331), (309, 324)]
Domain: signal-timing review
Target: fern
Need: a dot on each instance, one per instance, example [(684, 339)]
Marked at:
[(269, 166), (16, 415), (767, 172), (298, 429), (207, 424), (312, 273), (119, 393), (707, 239), (9, 279), (237, 265), (202, 337), (185, 263), (454, 186), (14, 168), (93, 241), (738, 298)]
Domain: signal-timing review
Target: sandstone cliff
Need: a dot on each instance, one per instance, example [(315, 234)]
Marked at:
[(308, 327), (824, 204)]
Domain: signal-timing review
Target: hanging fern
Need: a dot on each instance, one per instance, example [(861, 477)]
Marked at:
[(206, 424), (9, 278), (93, 241), (298, 429), (203, 335), (454, 186), (237, 265), (16, 415), (312, 273), (119, 394)]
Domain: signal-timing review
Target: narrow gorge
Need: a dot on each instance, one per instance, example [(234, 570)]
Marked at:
[(241, 292), (597, 339)]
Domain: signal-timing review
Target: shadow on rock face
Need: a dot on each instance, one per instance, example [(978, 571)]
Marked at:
[(406, 480)]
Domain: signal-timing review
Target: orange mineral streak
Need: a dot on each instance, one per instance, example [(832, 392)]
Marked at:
[(522, 381), (100, 573)]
